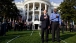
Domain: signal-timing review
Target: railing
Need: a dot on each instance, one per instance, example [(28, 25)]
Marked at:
[(38, 0), (34, 9)]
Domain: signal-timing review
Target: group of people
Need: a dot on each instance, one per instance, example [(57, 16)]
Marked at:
[(16, 25), (53, 24), (55, 20), (71, 26)]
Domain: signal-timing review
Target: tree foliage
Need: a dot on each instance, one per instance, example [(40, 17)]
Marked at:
[(8, 9), (67, 10)]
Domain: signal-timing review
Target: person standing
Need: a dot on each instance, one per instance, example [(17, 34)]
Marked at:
[(24, 26), (20, 25), (3, 28), (15, 25), (71, 27), (56, 22), (62, 25), (8, 25), (45, 24), (0, 28)]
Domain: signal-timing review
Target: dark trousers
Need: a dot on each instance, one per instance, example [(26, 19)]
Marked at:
[(16, 27), (50, 28), (19, 28), (55, 30), (46, 34), (62, 29), (3, 30), (71, 29)]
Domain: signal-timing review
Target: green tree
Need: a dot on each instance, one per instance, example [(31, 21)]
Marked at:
[(8, 9), (67, 10)]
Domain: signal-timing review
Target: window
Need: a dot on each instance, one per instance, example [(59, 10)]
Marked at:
[(36, 8), (37, 17)]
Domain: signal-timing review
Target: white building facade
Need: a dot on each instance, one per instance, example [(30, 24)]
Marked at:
[(31, 10)]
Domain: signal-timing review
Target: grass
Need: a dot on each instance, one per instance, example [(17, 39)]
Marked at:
[(69, 37)]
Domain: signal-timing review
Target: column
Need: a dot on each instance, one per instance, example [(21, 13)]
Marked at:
[(23, 13), (27, 11), (39, 11), (33, 17), (45, 7), (49, 10), (33, 27)]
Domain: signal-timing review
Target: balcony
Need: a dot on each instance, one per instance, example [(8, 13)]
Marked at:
[(36, 9)]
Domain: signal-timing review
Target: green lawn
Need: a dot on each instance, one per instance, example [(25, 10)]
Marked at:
[(26, 37)]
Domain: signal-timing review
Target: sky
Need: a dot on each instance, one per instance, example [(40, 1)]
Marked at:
[(55, 1)]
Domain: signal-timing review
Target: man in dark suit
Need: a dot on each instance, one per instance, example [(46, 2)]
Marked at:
[(44, 26), (3, 28)]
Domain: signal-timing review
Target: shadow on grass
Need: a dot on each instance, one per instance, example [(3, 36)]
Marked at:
[(5, 38), (63, 37), (50, 39), (9, 36), (19, 34)]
